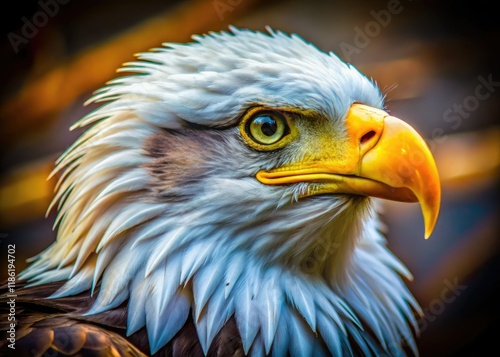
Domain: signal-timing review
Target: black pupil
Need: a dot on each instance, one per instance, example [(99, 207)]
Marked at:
[(268, 125)]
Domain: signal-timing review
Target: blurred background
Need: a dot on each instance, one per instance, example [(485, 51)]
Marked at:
[(437, 62)]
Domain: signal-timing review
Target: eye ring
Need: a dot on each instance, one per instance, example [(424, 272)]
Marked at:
[(266, 128)]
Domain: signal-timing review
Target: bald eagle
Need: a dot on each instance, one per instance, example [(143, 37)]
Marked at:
[(222, 202)]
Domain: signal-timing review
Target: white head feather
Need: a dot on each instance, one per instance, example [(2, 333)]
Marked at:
[(224, 245)]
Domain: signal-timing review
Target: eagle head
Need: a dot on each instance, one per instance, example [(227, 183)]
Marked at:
[(233, 177)]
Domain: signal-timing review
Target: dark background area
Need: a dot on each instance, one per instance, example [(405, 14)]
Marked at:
[(430, 58)]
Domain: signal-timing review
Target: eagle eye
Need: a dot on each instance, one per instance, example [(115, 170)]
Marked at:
[(266, 128)]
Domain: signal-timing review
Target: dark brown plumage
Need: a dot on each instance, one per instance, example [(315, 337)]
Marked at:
[(57, 328)]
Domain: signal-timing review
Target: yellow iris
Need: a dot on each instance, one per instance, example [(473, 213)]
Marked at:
[(267, 130)]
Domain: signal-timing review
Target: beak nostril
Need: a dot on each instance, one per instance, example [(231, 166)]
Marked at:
[(367, 136)]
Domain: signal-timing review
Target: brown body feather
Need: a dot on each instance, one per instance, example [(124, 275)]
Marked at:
[(58, 327)]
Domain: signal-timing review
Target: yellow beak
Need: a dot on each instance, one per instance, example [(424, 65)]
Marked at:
[(384, 157)]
